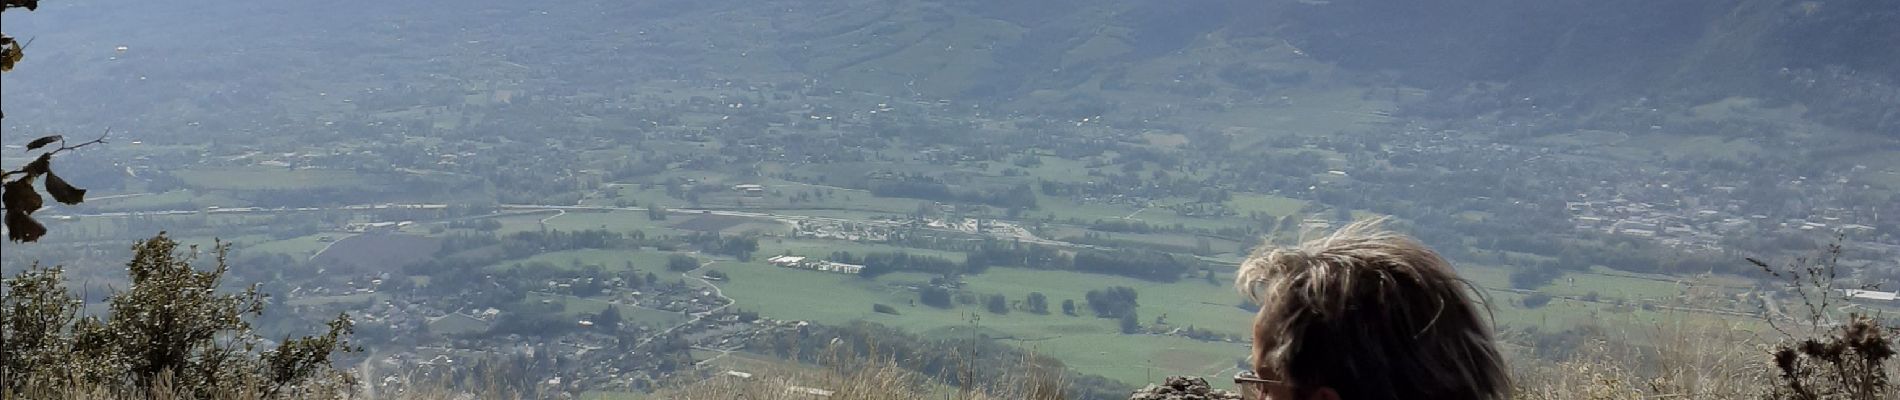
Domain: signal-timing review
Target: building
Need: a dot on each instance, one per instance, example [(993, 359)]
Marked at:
[(786, 261), (815, 265), (1870, 295)]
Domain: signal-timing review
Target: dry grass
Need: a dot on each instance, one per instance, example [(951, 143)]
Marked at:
[(1698, 356), (1690, 358), (871, 378)]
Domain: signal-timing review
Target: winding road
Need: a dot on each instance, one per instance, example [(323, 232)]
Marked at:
[(699, 315)]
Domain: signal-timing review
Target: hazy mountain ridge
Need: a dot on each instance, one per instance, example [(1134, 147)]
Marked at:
[(1587, 55)]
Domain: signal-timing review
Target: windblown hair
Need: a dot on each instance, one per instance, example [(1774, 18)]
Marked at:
[(1373, 315)]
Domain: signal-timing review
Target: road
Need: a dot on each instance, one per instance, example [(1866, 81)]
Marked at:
[(557, 213), (696, 316), (326, 247)]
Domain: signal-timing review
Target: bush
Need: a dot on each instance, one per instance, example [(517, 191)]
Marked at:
[(681, 263), (1037, 303), (1536, 300), (1130, 324), (935, 297), (1113, 302), (170, 330), (1533, 276)]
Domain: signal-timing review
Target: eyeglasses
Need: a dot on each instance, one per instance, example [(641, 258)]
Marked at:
[(1252, 386)]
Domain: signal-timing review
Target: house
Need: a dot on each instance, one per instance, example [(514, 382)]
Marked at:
[(750, 190), (806, 263), (786, 261)]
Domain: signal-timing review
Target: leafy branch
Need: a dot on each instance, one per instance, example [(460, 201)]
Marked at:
[(11, 51), (20, 199)]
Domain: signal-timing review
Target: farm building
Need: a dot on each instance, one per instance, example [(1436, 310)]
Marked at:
[(815, 265), (1872, 295), (749, 189)]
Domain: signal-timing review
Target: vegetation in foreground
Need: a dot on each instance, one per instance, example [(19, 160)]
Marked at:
[(174, 332)]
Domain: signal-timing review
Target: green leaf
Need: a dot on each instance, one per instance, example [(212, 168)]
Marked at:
[(62, 191)]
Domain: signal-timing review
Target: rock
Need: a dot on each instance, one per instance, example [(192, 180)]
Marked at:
[(1182, 388)]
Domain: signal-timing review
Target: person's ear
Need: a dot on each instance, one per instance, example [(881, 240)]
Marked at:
[(1324, 393)]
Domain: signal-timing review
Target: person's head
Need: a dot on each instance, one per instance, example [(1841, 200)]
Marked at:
[(1366, 314)]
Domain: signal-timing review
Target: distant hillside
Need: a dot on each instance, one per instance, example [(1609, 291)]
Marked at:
[(1829, 54), (1061, 57)]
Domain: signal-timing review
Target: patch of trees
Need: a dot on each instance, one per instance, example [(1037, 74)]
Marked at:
[(996, 303), (1012, 253), (880, 263), (740, 247), (935, 297), (1536, 275), (681, 263), (1536, 300), (1113, 302), (1143, 264), (608, 319), (1017, 196), (1149, 265), (1036, 303), (1130, 324)]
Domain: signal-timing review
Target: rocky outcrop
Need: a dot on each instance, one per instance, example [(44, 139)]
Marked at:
[(1182, 388)]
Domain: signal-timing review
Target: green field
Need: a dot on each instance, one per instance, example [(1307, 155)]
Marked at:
[(263, 178), (301, 246), (792, 294), (184, 199), (454, 324), (836, 299)]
